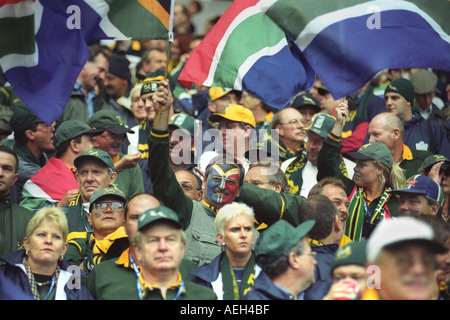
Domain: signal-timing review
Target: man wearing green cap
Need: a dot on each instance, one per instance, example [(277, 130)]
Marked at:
[(108, 238), (154, 273), (33, 141), (284, 254), (95, 171), (301, 171), (348, 270), (55, 182), (129, 176), (419, 134)]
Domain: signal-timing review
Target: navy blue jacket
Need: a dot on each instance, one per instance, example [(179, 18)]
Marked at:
[(10, 268), (265, 289), (322, 272), (419, 131)]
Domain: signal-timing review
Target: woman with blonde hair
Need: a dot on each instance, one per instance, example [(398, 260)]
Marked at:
[(231, 274), (39, 269), (375, 175)]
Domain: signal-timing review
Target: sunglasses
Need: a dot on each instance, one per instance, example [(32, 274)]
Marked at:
[(114, 205)]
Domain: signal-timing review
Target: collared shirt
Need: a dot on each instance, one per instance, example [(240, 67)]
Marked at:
[(89, 99)]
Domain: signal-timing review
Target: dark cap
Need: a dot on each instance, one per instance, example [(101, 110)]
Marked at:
[(108, 120), (322, 124), (71, 129), (279, 237), (403, 87), (95, 154), (118, 66), (373, 151), (433, 159), (353, 253), (424, 185), (22, 118), (160, 213), (305, 99)]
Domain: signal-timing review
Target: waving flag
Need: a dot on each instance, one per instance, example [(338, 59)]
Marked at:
[(247, 51), (348, 41), (44, 43)]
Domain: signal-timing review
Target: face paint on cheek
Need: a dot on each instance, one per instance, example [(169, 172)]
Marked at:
[(97, 215), (217, 183)]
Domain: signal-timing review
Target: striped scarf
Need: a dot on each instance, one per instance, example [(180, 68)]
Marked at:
[(357, 212), (32, 280), (231, 291)]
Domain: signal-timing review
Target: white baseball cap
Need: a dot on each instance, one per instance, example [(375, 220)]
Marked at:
[(392, 231)]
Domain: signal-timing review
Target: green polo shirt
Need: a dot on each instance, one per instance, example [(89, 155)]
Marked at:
[(116, 280)]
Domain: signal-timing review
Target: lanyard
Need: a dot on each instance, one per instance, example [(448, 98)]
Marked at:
[(51, 288), (139, 285)]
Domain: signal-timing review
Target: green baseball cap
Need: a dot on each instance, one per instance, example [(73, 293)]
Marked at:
[(279, 237), (351, 253), (109, 120), (322, 124), (305, 99), (373, 151), (95, 154), (22, 118), (107, 192), (158, 214), (435, 158), (71, 129), (184, 122)]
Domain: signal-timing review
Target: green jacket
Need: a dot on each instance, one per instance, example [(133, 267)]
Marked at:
[(76, 215), (13, 223), (116, 280), (270, 206), (412, 160), (130, 180), (328, 164), (77, 108), (84, 248)]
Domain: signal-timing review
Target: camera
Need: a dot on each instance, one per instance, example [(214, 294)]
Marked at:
[(445, 169)]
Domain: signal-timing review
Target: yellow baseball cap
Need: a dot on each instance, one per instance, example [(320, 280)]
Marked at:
[(235, 112), (218, 92)]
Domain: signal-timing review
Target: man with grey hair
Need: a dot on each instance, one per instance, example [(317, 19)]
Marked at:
[(159, 246), (261, 175), (288, 263)]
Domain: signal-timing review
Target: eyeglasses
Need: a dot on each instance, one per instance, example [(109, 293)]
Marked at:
[(313, 254), (114, 205), (294, 122), (188, 186)]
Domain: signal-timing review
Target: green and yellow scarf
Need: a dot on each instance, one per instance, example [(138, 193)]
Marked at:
[(357, 211), (231, 291)]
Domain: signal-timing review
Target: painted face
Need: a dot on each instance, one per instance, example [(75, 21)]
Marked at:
[(223, 182)]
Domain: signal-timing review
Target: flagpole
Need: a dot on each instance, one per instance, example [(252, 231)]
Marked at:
[(169, 45)]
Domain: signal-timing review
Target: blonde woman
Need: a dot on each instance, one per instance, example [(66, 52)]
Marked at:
[(231, 274), (39, 269), (375, 174)]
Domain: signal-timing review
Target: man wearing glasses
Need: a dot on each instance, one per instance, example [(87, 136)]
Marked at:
[(290, 126), (284, 254), (108, 238)]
